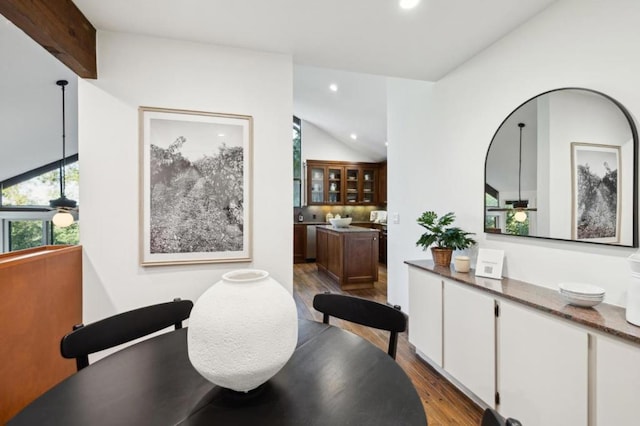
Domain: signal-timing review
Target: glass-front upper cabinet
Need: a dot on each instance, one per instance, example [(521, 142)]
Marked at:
[(352, 185), (316, 185), (342, 183), (369, 185), (324, 183), (335, 185)]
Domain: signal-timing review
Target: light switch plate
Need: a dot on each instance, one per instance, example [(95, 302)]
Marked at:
[(395, 218)]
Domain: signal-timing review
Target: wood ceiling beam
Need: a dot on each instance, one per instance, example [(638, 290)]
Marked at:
[(60, 27)]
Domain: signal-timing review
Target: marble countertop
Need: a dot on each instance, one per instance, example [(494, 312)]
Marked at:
[(350, 229), (609, 319), (355, 222)]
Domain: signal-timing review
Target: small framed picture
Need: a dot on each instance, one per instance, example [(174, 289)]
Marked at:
[(489, 263)]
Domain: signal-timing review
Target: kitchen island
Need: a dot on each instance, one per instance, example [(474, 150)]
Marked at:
[(348, 255)]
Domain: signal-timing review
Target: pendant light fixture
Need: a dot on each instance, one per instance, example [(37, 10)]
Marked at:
[(520, 206), (62, 205)]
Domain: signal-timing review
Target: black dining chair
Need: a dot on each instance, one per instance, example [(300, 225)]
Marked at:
[(364, 312), (492, 418), (125, 327)]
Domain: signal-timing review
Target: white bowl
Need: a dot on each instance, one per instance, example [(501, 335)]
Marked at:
[(577, 301), (581, 289), (343, 222), (582, 297)]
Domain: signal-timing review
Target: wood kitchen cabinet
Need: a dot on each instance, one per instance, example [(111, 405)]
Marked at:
[(342, 183), (348, 255), (382, 255), (299, 243), (382, 183), (325, 183)]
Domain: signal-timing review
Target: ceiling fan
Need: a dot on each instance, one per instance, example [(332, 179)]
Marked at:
[(521, 206)]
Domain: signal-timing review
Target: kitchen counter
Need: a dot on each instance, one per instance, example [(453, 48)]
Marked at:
[(353, 223), (348, 255), (349, 229), (609, 319)]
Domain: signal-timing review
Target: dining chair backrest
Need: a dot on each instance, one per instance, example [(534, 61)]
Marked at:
[(365, 312), (125, 327), (491, 417)]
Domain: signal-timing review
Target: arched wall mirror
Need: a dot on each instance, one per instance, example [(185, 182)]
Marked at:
[(563, 166)]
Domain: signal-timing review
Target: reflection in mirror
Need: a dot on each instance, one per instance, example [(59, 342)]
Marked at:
[(563, 166)]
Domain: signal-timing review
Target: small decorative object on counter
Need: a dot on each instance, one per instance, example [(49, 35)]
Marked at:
[(242, 330), (489, 263), (633, 295), (444, 239), (462, 263), (579, 294), (338, 222), (329, 216)]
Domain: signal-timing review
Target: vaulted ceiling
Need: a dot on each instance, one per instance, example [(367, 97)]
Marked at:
[(356, 43)]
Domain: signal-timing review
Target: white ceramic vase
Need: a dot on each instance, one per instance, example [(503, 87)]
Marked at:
[(242, 330)]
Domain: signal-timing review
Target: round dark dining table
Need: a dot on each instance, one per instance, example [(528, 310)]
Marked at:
[(333, 378)]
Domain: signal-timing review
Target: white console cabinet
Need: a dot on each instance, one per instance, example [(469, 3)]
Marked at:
[(537, 359), (542, 368), (617, 383), (469, 339), (425, 321)]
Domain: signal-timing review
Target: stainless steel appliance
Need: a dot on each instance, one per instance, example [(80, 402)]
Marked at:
[(311, 242)]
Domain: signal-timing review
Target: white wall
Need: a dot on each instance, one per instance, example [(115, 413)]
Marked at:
[(319, 145), (142, 71), (583, 43), (31, 104), (412, 161)]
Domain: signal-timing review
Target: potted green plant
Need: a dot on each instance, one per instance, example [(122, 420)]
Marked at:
[(442, 237)]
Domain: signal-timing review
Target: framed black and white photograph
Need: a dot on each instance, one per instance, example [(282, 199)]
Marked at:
[(195, 186), (595, 192)]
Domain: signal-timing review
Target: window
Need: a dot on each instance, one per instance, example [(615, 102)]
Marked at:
[(30, 224), (297, 162), (24, 234), (39, 189)]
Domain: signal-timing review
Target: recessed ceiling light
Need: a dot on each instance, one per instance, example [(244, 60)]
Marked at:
[(408, 4), (221, 135), (354, 136), (333, 87)]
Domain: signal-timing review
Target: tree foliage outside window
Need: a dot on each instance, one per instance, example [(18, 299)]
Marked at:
[(24, 234), (38, 191)]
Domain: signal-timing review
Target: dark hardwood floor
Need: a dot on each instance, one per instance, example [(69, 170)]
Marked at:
[(442, 402)]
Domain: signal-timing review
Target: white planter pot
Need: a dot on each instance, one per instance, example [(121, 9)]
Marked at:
[(242, 330)]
